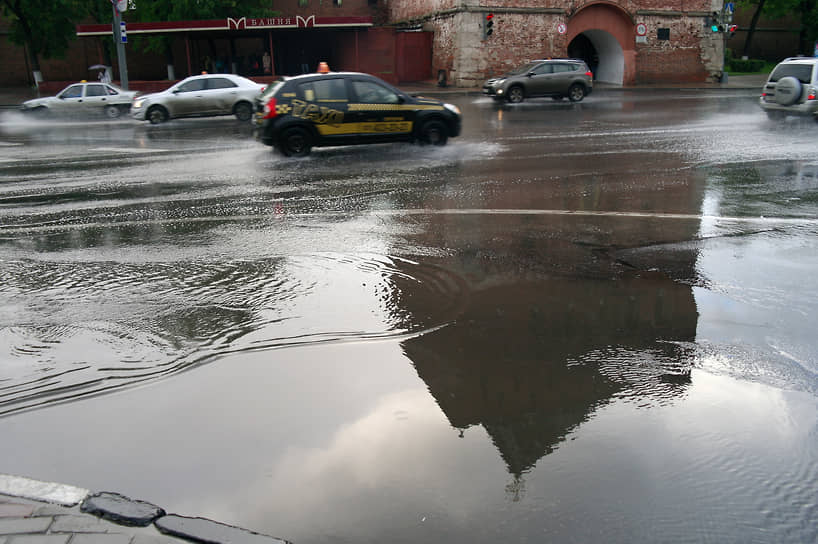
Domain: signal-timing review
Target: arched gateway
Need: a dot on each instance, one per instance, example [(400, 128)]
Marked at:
[(604, 35)]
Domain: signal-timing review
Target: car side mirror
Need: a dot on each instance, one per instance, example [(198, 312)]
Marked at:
[(531, 74)]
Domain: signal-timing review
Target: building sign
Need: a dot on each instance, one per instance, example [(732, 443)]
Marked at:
[(231, 24)]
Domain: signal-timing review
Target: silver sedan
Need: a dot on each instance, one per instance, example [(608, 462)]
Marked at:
[(200, 96), (83, 98)]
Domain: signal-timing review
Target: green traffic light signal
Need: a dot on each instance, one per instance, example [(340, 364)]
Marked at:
[(714, 28)]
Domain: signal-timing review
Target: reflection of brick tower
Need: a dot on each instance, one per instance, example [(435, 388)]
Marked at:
[(513, 362)]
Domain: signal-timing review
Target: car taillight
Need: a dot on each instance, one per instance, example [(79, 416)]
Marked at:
[(589, 74), (270, 109)]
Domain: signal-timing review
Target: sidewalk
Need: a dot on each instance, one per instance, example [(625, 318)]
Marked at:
[(11, 98), (35, 512)]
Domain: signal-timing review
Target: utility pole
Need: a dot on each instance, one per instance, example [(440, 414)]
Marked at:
[(119, 6)]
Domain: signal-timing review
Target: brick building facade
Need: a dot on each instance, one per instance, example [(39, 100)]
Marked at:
[(675, 44), (624, 41)]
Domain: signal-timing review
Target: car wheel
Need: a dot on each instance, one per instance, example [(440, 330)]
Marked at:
[(516, 94), (157, 114), (112, 112), (433, 133), (295, 142), (576, 93), (787, 91), (243, 111)]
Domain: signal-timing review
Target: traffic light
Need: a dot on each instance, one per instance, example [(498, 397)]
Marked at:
[(488, 25), (715, 22), (731, 30)]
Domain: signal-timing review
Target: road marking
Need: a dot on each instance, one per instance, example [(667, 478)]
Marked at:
[(128, 150), (393, 213)]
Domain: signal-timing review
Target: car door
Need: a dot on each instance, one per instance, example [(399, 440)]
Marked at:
[(379, 112), (564, 74), (325, 103), (539, 80), (220, 95), (69, 100), (95, 99), (187, 98)]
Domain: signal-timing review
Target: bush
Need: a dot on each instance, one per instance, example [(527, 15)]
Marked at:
[(748, 65)]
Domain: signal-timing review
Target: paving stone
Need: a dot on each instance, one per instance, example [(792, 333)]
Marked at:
[(16, 510), (121, 509), (51, 510), (152, 539), (39, 539), (81, 524), (108, 538), (211, 532), (20, 526), (43, 491)]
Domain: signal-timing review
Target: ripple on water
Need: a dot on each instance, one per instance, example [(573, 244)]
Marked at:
[(73, 329)]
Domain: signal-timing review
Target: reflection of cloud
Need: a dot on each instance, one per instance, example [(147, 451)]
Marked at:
[(376, 470)]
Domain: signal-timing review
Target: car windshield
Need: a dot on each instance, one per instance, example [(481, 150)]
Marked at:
[(522, 70), (801, 72)]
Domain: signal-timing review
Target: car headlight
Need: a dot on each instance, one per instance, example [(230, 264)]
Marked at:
[(452, 108), (138, 103)]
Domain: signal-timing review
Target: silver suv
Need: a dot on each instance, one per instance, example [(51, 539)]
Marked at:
[(791, 89), (556, 78)]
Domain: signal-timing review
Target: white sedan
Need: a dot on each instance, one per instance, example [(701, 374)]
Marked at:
[(200, 96), (83, 98)]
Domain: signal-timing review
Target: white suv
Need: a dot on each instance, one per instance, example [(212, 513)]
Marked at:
[(792, 89)]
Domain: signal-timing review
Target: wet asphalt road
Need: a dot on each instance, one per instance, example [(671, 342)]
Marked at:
[(576, 322)]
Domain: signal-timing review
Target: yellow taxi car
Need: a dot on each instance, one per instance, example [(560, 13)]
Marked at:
[(298, 113)]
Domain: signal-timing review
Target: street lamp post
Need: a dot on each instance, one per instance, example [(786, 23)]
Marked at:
[(119, 6)]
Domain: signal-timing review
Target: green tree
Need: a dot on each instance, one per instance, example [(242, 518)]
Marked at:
[(804, 11), (43, 27)]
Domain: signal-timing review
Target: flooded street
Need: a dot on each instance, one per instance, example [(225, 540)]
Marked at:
[(574, 323)]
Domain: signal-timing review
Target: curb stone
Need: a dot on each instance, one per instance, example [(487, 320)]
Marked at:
[(36, 512)]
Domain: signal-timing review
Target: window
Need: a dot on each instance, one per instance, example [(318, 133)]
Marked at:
[(95, 90), (74, 91), (801, 72), (369, 92), (562, 68), (111, 91), (220, 83), (336, 2), (324, 90), (191, 86), (303, 3), (542, 69)]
